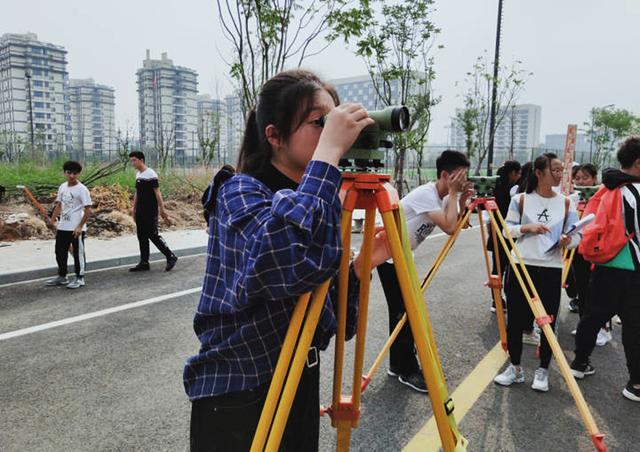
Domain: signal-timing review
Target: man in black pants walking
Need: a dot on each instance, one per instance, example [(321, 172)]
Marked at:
[(147, 203)]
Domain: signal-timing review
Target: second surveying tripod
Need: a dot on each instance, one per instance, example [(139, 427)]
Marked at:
[(371, 192), (519, 270)]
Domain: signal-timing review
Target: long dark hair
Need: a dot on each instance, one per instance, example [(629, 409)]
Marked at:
[(507, 168), (524, 175), (541, 163), (285, 100)]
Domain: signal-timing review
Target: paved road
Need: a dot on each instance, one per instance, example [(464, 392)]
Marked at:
[(113, 382)]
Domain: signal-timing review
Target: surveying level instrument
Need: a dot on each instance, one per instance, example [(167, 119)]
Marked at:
[(484, 186), (374, 193), (586, 192), (367, 152)]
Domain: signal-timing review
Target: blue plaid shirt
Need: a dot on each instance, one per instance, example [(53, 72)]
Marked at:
[(265, 249)]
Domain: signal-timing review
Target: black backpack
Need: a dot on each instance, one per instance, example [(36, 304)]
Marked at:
[(211, 192)]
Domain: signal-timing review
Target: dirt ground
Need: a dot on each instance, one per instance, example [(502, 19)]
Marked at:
[(20, 220)]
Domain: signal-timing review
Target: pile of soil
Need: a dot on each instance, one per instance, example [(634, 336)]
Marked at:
[(111, 217)]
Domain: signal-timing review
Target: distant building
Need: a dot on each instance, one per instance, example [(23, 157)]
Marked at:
[(235, 127), (212, 124), (557, 141), (32, 92), (361, 90), (519, 128), (91, 115), (167, 105)]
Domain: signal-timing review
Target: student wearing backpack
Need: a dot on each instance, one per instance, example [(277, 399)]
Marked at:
[(611, 242), (538, 219)]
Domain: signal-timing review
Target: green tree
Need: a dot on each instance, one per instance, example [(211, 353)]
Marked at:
[(467, 120), (609, 125), (477, 98), (209, 138), (269, 35), (396, 42)]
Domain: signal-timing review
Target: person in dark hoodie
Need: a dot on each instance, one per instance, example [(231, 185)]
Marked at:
[(614, 287)]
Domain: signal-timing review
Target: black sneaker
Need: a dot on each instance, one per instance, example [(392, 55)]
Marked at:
[(631, 393), (573, 306), (171, 262), (580, 371), (415, 381), (141, 267)]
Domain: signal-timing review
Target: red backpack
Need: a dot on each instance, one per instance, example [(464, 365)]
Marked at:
[(605, 237)]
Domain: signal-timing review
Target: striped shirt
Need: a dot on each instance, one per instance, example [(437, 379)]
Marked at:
[(265, 249)]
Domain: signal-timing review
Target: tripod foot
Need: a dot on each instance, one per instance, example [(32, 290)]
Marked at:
[(598, 441)]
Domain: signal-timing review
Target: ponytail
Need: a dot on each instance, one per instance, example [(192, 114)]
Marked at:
[(254, 151)]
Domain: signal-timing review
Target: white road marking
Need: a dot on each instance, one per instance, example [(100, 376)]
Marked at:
[(91, 315)]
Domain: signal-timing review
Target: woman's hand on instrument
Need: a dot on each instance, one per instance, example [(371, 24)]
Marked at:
[(565, 241), (342, 126)]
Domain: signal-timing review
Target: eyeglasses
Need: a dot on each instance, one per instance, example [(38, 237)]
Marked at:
[(557, 171)]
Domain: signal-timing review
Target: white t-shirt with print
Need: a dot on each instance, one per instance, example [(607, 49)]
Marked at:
[(72, 203), (417, 206), (551, 212)]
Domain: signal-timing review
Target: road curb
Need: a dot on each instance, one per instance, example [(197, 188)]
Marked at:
[(36, 273)]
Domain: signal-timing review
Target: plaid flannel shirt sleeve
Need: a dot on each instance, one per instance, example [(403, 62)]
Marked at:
[(291, 239)]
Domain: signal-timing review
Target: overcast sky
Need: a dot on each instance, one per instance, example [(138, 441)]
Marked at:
[(583, 53)]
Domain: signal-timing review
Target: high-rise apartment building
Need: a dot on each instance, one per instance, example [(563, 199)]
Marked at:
[(212, 125), (168, 111), (520, 127), (235, 126), (91, 118), (32, 93)]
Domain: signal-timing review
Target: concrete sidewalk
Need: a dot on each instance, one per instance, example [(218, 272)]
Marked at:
[(32, 259)]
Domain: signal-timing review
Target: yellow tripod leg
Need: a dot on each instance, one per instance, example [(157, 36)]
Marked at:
[(416, 312), (495, 283), (342, 308), (280, 373), (538, 310), (295, 372), (567, 266)]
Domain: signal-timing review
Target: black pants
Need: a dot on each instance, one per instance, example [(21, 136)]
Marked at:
[(228, 422), (612, 291), (147, 229), (581, 272), (64, 239), (402, 357), (520, 317)]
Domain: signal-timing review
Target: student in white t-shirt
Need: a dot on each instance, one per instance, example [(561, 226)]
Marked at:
[(73, 206), (433, 204), (538, 218)]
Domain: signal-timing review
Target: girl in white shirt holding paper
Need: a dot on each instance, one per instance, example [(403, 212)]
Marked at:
[(538, 218)]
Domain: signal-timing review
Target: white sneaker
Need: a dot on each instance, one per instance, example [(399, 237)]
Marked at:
[(76, 283), (617, 320), (541, 380), (604, 337), (531, 339), (510, 376)]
